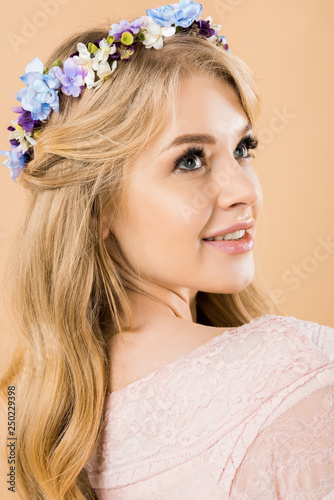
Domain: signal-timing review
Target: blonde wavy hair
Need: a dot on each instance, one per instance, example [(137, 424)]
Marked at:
[(60, 280)]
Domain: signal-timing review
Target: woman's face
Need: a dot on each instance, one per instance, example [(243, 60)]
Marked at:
[(168, 211)]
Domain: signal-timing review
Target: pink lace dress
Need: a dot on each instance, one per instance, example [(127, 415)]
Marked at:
[(248, 415)]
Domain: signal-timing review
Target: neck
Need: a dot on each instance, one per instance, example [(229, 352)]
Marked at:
[(163, 300), (153, 302)]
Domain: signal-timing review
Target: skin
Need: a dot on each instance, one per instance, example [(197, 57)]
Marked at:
[(160, 226)]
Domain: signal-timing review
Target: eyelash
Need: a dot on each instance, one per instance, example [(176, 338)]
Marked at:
[(250, 142)]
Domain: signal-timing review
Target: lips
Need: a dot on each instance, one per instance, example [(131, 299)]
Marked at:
[(233, 247), (234, 227)]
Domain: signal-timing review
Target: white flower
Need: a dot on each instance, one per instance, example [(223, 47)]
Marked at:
[(85, 60), (103, 71), (154, 32), (98, 63), (24, 138), (84, 55), (104, 51)]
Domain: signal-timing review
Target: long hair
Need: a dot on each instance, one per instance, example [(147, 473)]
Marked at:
[(60, 280)]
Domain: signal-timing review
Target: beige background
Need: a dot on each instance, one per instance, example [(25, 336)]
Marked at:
[(288, 44)]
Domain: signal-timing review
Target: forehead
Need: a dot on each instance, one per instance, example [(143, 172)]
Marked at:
[(208, 100), (204, 105)]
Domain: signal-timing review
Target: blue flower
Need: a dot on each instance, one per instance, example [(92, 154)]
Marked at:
[(16, 161), (182, 14), (40, 96)]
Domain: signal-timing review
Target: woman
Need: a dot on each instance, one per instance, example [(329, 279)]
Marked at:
[(149, 365)]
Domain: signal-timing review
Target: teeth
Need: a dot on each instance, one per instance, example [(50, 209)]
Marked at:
[(235, 235)]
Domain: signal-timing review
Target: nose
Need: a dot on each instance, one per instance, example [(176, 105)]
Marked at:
[(240, 189)]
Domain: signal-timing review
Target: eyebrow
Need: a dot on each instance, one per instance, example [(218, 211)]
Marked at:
[(200, 138)]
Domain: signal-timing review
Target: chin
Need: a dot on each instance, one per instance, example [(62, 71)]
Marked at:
[(230, 284), (237, 287), (228, 288)]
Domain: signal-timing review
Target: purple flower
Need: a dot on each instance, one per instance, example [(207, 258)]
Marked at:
[(14, 142), (124, 52), (118, 29), (25, 120), (71, 77), (204, 28)]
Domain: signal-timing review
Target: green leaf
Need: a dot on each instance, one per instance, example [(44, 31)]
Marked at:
[(57, 63), (110, 39), (45, 70)]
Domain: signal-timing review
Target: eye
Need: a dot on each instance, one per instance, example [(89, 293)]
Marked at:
[(187, 161), (247, 143)]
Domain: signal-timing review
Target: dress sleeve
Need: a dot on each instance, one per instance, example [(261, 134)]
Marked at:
[(292, 456), (322, 336)]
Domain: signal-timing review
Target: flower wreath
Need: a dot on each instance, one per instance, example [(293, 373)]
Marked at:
[(91, 65)]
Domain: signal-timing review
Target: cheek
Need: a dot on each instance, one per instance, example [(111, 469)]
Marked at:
[(154, 240), (259, 203), (162, 224)]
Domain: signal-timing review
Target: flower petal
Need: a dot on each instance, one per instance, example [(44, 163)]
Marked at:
[(112, 49), (55, 104), (69, 67), (83, 54), (103, 70), (35, 65), (149, 40), (65, 80), (39, 86), (75, 90), (113, 66), (31, 140), (159, 43), (77, 81), (21, 94), (168, 30), (52, 79), (153, 28), (30, 78)]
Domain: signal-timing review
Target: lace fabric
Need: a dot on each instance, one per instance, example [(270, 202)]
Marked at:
[(248, 415)]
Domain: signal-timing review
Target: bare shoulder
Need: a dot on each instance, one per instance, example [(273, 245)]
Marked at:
[(133, 355)]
